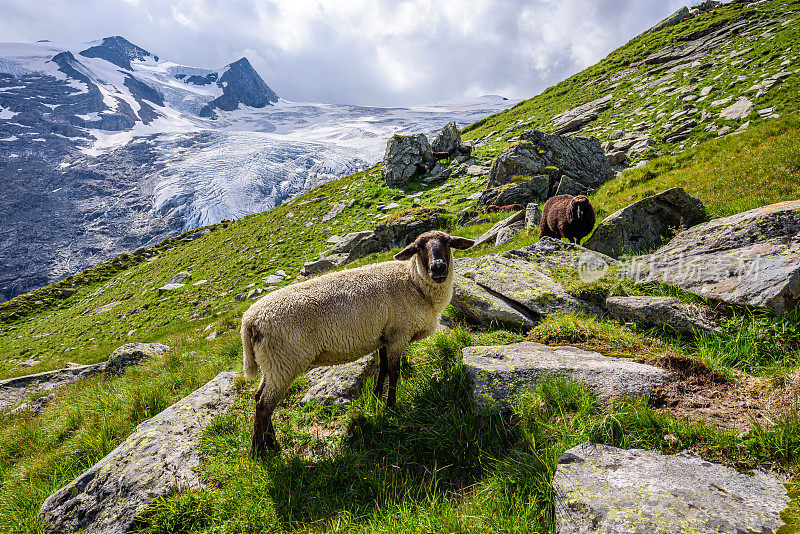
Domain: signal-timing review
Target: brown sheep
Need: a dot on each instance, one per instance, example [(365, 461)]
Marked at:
[(567, 216)]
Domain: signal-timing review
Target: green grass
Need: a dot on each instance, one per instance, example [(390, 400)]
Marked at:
[(432, 464)]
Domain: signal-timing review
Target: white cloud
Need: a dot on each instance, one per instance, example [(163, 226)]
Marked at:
[(380, 52)]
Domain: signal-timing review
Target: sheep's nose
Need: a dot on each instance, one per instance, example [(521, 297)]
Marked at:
[(439, 267)]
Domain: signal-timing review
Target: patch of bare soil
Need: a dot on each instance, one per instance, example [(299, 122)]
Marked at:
[(702, 394)]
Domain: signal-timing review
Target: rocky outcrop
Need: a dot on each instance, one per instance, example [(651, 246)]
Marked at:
[(500, 373), (751, 258), (647, 223), (550, 252), (533, 189), (157, 459), (398, 231), (604, 489), (339, 384), (664, 311), (490, 235), (580, 159), (574, 119), (405, 157), (506, 281), (240, 84), (448, 140), (14, 391)]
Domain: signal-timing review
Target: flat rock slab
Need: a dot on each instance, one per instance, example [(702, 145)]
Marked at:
[(157, 459), (550, 252), (483, 307), (604, 489), (750, 258), (339, 384), (500, 373), (667, 311)]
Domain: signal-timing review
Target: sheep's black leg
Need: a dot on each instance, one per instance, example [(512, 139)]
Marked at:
[(394, 371), (383, 368), (263, 432)]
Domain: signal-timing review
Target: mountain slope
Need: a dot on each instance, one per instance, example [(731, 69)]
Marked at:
[(105, 147), (415, 466)]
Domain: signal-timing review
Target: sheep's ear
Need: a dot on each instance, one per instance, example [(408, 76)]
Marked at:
[(407, 253), (461, 243)]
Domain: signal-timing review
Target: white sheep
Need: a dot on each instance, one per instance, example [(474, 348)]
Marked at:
[(340, 317)]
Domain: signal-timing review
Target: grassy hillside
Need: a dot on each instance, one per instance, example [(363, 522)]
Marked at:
[(432, 464)]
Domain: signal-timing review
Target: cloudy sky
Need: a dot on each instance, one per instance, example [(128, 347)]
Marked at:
[(371, 52)]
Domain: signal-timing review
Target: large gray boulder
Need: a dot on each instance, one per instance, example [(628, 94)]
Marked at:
[(550, 252), (448, 140), (604, 489), (751, 258), (664, 311), (647, 223), (579, 158), (535, 188), (159, 458), (500, 373), (402, 228), (483, 307), (339, 384), (520, 284), (403, 158)]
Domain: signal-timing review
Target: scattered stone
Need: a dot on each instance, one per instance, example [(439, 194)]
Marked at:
[(477, 170), (390, 207), (404, 157), (574, 119), (159, 458), (751, 258), (319, 266), (491, 234), (170, 287), (33, 407), (335, 210), (647, 223), (275, 278), (604, 489), (580, 158), (200, 283), (179, 278), (16, 390), (500, 373), (533, 215), (664, 311), (339, 384), (506, 233), (448, 140), (535, 188), (738, 110), (131, 354)]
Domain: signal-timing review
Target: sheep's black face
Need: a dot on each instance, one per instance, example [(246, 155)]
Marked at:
[(434, 252), (580, 208)]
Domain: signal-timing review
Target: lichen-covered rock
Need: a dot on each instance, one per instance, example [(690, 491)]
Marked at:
[(533, 215), (481, 306), (750, 258), (664, 311), (550, 252), (448, 140), (536, 188), (647, 223), (604, 489), (738, 110), (500, 373), (507, 233), (339, 384), (402, 228), (491, 233), (156, 460), (16, 390), (580, 158), (403, 158), (574, 119), (520, 284), (130, 354), (180, 277)]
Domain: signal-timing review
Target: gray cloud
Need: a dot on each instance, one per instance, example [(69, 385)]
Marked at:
[(371, 52)]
